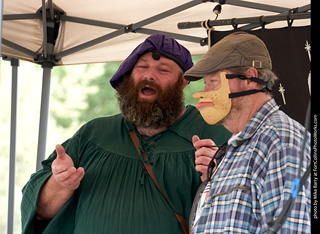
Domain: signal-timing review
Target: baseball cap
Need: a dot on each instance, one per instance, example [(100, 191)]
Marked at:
[(160, 45), (239, 49)]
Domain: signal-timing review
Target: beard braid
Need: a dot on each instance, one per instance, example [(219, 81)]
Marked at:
[(156, 113)]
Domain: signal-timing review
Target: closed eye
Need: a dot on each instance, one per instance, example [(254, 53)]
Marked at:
[(163, 70), (142, 66)]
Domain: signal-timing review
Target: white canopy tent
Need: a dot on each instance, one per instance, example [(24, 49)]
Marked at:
[(105, 31), (60, 32)]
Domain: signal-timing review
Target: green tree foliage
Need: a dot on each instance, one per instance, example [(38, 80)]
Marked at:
[(103, 102)]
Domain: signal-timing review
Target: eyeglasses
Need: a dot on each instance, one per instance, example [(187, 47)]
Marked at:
[(218, 156)]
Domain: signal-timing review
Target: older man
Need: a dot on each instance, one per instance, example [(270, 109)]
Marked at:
[(107, 177), (256, 168)]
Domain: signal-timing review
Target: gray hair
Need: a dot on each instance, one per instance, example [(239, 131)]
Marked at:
[(264, 74)]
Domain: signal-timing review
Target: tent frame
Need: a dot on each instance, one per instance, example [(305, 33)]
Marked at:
[(120, 29), (51, 19), (13, 141), (254, 21)]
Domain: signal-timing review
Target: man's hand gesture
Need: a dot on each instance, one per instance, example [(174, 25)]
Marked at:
[(64, 171), (203, 155), (60, 186)]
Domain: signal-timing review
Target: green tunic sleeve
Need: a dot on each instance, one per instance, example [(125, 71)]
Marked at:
[(116, 194)]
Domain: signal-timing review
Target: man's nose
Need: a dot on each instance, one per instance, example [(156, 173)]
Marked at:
[(150, 74)]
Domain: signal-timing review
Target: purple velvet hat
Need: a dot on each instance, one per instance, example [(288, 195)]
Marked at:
[(160, 45)]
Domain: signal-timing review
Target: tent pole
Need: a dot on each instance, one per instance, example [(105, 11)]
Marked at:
[(296, 10), (48, 44), (249, 20), (257, 6), (19, 48), (1, 18), (44, 28), (44, 112), (13, 138)]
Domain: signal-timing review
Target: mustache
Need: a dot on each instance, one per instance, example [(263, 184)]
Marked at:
[(147, 83)]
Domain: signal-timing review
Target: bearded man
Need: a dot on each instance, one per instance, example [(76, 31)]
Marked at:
[(107, 178)]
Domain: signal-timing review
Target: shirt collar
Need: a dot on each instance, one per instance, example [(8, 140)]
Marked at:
[(190, 124), (255, 122)]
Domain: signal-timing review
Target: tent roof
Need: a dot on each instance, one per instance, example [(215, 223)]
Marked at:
[(114, 16)]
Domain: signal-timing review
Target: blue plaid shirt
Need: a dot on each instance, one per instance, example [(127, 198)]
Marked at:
[(254, 179)]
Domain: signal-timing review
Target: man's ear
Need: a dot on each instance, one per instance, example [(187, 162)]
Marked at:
[(185, 83), (251, 72)]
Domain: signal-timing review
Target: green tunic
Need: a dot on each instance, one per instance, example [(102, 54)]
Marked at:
[(116, 194)]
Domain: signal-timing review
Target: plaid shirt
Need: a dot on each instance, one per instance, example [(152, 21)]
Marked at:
[(254, 179)]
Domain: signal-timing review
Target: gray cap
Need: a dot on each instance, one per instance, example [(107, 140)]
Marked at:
[(239, 49)]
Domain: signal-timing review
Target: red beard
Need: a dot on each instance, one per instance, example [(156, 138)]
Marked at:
[(162, 110)]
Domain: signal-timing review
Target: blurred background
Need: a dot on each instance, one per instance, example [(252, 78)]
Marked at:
[(78, 93)]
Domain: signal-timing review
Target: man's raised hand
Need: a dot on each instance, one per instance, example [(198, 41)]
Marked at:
[(203, 155), (64, 172)]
